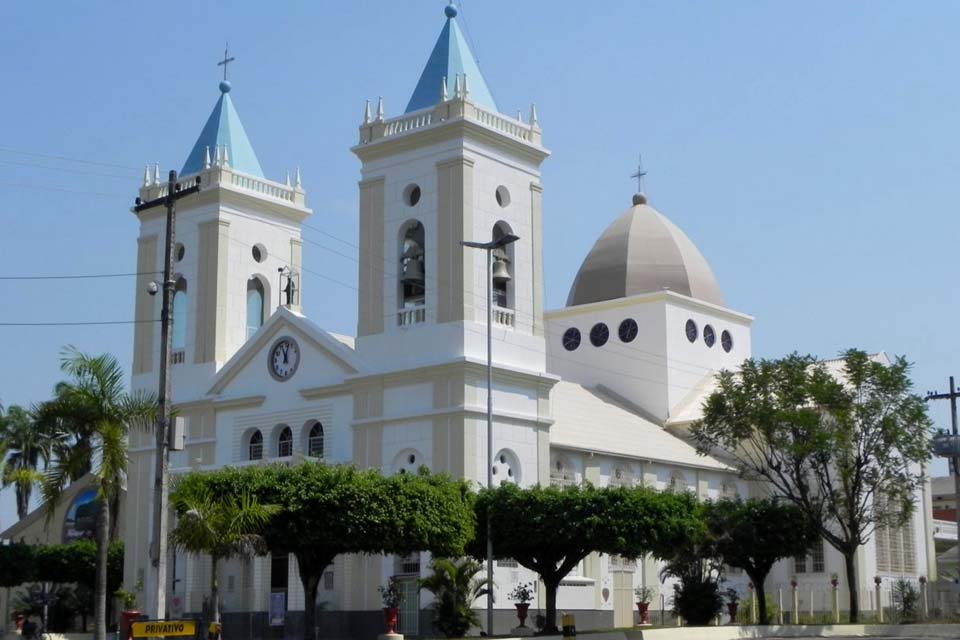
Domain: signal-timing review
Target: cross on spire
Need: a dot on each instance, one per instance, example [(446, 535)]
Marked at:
[(639, 175), (226, 60)]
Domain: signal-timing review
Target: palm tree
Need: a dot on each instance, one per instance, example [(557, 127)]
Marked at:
[(220, 528), (28, 445), (455, 588), (94, 402)]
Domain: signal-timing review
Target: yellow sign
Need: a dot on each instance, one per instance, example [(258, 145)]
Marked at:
[(164, 628)]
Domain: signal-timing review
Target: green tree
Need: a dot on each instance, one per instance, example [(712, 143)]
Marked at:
[(27, 446), (846, 449), (222, 527), (94, 401), (455, 587), (326, 511), (549, 530), (754, 534)]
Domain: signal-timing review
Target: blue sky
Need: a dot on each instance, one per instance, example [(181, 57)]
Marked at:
[(808, 149)]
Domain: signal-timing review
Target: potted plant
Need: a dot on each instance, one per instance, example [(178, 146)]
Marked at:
[(392, 597), (877, 580), (733, 602), (129, 613), (834, 580), (644, 596), (793, 582), (522, 595)]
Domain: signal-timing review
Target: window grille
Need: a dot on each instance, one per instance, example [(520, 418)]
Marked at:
[(285, 443), (315, 441), (255, 448)]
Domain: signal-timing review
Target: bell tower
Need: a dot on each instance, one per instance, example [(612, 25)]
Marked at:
[(238, 245), (450, 169)]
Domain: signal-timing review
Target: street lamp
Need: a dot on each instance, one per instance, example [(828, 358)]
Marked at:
[(489, 247)]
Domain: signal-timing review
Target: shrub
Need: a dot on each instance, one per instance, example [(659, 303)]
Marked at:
[(697, 601), (905, 597)]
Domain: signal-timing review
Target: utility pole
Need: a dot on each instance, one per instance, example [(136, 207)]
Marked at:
[(161, 488), (952, 397)]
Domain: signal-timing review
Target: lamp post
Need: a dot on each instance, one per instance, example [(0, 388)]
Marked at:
[(489, 247)]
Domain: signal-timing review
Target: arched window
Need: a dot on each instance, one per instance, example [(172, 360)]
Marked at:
[(315, 441), (285, 443), (255, 298), (180, 314), (255, 446), (502, 269), (729, 490), (413, 275)]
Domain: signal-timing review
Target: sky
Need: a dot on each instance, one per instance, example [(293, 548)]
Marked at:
[(808, 149)]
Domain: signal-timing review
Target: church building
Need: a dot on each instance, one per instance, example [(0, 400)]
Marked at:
[(600, 391)]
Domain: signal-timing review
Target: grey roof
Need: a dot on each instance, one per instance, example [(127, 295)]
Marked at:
[(643, 252)]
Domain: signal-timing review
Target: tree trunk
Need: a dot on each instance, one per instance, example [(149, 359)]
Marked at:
[(310, 582), (760, 595), (550, 624), (214, 589), (100, 582), (23, 501), (848, 559)]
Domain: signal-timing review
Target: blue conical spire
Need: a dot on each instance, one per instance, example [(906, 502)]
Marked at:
[(451, 57), (224, 129)]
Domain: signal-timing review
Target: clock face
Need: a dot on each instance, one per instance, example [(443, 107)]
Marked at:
[(284, 358)]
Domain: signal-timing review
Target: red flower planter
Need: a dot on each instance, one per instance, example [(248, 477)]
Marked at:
[(128, 617), (390, 615), (644, 609), (522, 608)]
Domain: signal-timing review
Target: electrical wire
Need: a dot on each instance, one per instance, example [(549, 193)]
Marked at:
[(50, 156), (83, 276)]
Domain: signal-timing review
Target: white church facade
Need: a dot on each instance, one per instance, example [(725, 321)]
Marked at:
[(599, 391)]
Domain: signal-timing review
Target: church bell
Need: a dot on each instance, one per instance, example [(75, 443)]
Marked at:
[(412, 266), (501, 269)]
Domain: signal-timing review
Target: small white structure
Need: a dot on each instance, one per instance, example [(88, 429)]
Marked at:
[(600, 391)]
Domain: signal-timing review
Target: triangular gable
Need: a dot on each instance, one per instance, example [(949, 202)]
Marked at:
[(283, 320)]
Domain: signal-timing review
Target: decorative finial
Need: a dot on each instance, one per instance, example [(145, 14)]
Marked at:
[(519, 115), (466, 89), (156, 173), (146, 175), (456, 86), (639, 175), (206, 158), (226, 157), (287, 182), (216, 156), (297, 182), (450, 10), (534, 122), (443, 89), (380, 109), (366, 113), (223, 63), (638, 199)]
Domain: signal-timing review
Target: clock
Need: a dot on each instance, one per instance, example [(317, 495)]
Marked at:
[(283, 358)]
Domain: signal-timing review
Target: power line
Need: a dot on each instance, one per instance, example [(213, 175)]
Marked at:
[(67, 158), (67, 170), (83, 276), (40, 187), (73, 324)]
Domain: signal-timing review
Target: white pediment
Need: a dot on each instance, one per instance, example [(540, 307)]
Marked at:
[(324, 359)]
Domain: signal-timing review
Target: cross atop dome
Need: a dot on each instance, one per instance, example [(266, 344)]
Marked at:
[(450, 59)]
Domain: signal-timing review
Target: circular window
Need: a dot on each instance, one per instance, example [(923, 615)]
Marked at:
[(179, 251), (411, 195), (691, 330), (709, 335), (628, 330), (726, 341), (503, 196), (571, 339), (259, 252), (599, 334)]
